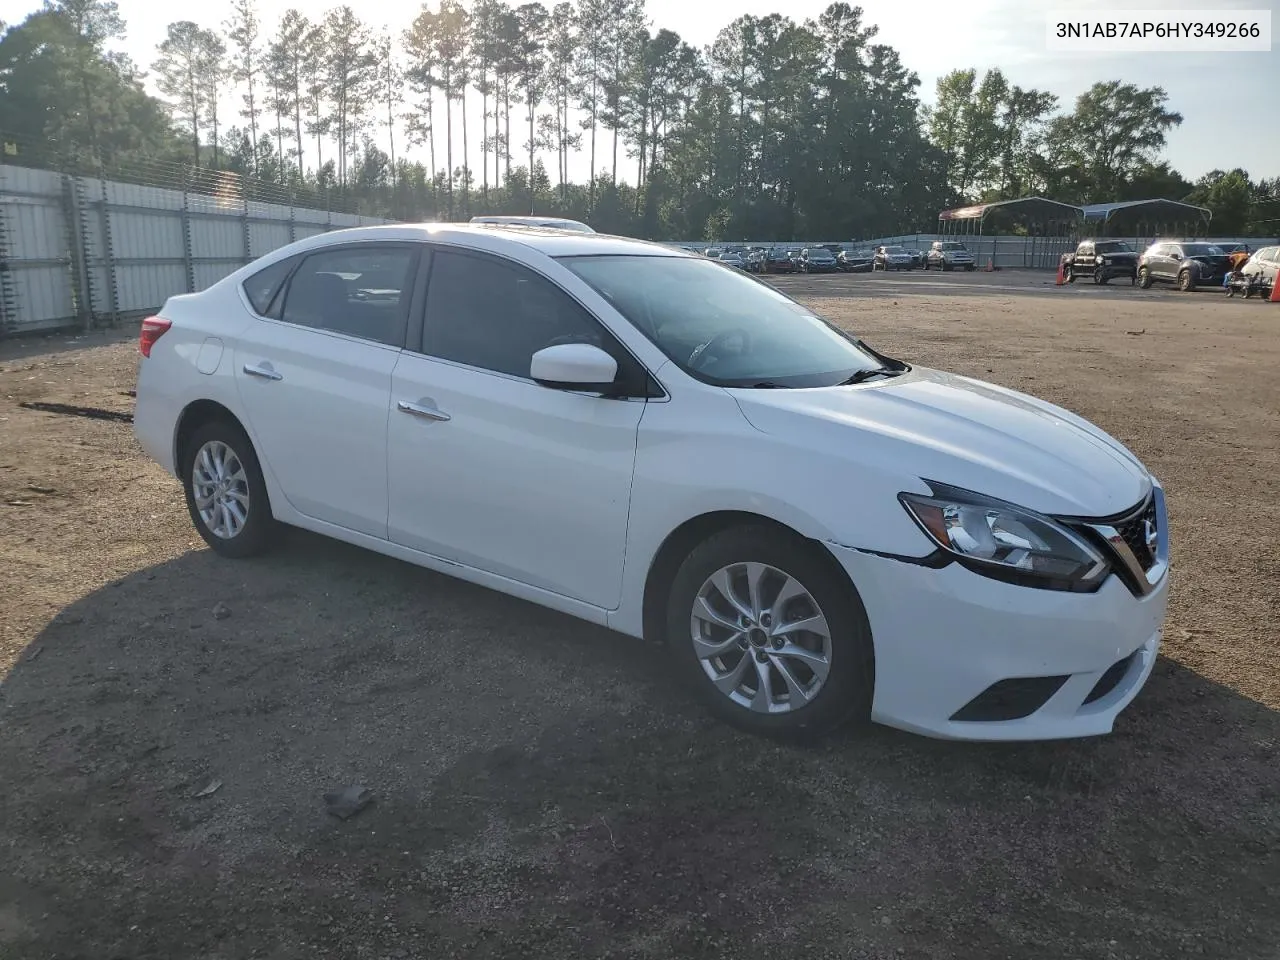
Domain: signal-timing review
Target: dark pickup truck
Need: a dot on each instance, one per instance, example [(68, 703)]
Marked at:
[(1103, 260)]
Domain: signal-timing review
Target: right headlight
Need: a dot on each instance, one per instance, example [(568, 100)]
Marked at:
[(1005, 541)]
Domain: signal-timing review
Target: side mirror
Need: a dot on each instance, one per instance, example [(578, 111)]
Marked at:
[(574, 366)]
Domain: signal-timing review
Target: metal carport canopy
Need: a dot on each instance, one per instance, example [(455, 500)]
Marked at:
[(1151, 209), (1033, 208)]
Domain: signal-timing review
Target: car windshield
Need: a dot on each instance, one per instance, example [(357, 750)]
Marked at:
[(953, 246), (1201, 250), (820, 253), (894, 250), (723, 326), (1113, 246)]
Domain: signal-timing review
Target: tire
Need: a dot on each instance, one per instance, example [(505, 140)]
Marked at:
[(1185, 283), (1100, 277), (846, 691), (970, 268), (227, 442), (1144, 278)]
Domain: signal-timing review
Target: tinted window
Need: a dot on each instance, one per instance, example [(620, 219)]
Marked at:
[(722, 326), (361, 292), (1201, 250), (262, 287), (496, 315), (1113, 246)]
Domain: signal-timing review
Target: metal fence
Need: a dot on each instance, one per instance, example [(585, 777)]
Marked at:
[(82, 252)]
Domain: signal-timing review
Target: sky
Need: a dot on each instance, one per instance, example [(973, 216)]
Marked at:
[(1231, 115)]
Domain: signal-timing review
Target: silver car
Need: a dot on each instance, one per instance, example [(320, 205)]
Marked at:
[(949, 255)]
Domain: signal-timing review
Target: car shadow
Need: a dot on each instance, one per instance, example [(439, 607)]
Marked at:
[(543, 787)]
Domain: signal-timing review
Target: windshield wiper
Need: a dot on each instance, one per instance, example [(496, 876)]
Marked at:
[(767, 385), (862, 375)]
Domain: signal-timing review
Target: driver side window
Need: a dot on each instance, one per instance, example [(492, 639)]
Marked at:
[(495, 314)]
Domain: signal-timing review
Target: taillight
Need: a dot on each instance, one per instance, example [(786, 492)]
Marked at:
[(153, 328)]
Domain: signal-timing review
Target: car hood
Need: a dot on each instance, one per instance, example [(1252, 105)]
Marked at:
[(932, 425)]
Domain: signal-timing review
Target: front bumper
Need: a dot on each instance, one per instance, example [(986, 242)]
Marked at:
[(944, 637)]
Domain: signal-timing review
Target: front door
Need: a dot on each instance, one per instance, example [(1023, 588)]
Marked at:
[(316, 383), (491, 470)]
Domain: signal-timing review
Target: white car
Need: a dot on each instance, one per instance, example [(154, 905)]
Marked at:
[(640, 438)]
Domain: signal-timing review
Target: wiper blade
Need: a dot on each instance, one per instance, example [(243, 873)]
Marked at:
[(863, 375), (767, 385)]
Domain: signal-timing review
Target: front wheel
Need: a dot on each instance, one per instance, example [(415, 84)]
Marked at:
[(1185, 282), (1144, 278), (1099, 276), (226, 495), (770, 633)]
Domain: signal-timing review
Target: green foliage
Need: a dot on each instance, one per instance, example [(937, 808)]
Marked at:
[(780, 128)]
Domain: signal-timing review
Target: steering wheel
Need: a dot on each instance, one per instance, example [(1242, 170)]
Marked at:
[(708, 347)]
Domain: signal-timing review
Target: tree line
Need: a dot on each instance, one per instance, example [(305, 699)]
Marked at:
[(778, 128)]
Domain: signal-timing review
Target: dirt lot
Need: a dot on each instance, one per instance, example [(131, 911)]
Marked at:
[(543, 788)]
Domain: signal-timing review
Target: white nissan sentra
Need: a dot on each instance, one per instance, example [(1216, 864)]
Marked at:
[(653, 442)]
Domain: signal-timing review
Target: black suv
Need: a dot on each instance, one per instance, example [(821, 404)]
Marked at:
[(1189, 265), (1103, 260)]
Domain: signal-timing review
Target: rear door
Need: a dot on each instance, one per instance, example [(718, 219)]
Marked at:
[(490, 469), (316, 382), (1167, 263)]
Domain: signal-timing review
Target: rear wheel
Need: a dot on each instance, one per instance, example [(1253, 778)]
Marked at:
[(1144, 278), (774, 639), (226, 495), (1185, 281)]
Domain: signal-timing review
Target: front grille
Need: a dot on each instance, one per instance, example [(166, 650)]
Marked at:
[(1108, 681), (1134, 531), (1010, 699)]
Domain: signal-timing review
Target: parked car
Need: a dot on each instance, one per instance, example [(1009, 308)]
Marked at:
[(1260, 270), (731, 258), (1188, 265), (894, 258), (779, 261), (855, 259), (948, 255), (1103, 260), (712, 253), (817, 260), (553, 223), (756, 260), (1237, 254), (523, 412)]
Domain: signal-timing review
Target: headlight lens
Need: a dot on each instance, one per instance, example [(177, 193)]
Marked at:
[(1005, 541)]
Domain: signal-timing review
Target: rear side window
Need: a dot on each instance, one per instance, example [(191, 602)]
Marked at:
[(263, 287), (357, 291)]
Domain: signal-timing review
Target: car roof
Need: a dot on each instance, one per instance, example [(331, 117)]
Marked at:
[(493, 238)]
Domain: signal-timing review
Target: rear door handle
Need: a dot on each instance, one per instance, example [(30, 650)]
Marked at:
[(263, 370), (421, 410)]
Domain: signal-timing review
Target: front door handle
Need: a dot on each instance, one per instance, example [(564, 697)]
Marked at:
[(264, 371), (421, 410)]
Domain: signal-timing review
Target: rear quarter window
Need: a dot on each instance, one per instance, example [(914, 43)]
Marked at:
[(263, 288)]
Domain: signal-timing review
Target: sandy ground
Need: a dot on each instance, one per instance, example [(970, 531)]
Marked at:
[(546, 789)]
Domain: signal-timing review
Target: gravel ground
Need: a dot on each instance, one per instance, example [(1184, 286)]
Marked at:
[(543, 788)]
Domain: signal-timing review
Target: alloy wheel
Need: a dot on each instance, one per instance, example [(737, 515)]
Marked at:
[(761, 637), (220, 487)]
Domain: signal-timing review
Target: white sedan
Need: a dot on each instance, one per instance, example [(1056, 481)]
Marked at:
[(638, 437)]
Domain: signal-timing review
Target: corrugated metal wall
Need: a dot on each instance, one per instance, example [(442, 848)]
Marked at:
[(81, 252)]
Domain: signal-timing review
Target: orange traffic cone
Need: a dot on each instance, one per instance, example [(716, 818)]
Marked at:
[(1275, 288), (990, 265), (1061, 275)]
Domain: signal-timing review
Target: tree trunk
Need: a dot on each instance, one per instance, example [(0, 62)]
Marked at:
[(448, 136), (591, 180), (484, 132), (466, 167)]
